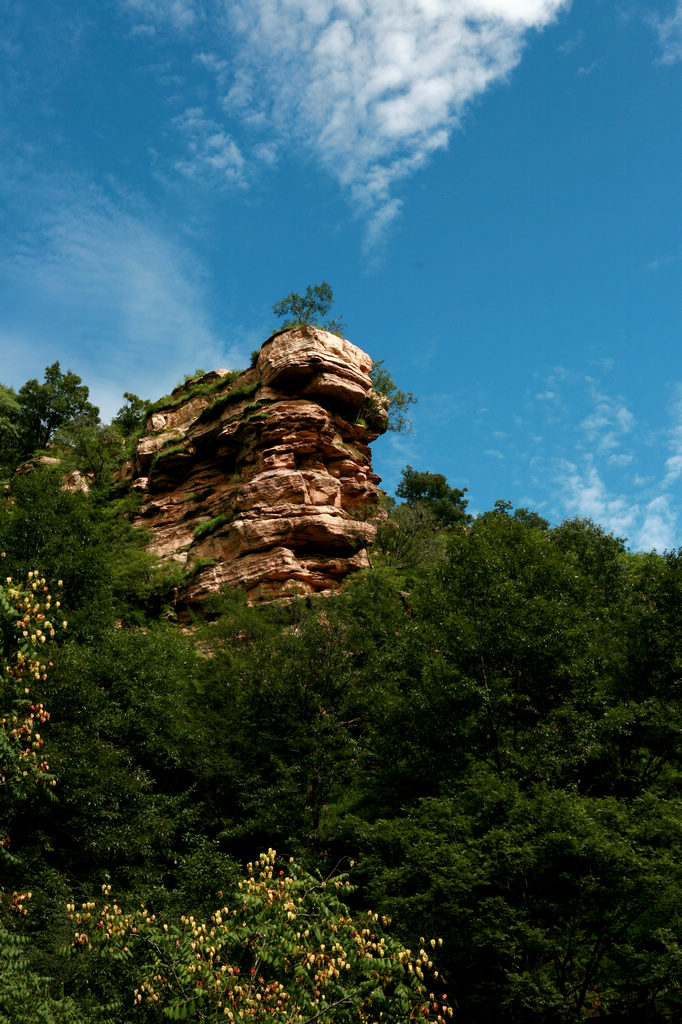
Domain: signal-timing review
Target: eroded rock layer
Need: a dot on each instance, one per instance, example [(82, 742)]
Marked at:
[(263, 480)]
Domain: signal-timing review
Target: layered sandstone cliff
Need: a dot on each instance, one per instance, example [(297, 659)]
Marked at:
[(263, 480)]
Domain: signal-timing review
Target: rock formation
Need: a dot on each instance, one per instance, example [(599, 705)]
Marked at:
[(263, 479)]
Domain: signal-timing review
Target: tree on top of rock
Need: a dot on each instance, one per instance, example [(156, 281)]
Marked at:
[(309, 309)]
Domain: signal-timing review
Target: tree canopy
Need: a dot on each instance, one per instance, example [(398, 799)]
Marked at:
[(131, 416), (60, 399), (432, 490)]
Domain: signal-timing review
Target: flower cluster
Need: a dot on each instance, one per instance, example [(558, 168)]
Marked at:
[(18, 900), (27, 609), (25, 628), (289, 951)]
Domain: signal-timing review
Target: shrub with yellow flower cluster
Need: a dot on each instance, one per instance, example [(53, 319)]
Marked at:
[(27, 625), (288, 952)]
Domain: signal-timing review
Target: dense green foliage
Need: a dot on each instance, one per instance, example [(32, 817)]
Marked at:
[(487, 725), (132, 414), (493, 735)]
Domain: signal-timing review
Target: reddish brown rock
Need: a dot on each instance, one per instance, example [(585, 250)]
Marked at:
[(264, 480)]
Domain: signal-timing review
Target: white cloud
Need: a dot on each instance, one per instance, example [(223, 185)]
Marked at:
[(673, 467), (371, 89), (585, 494), (658, 528), (669, 32), (266, 153), (581, 459), (376, 93)]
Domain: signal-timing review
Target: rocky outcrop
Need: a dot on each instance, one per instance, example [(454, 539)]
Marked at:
[(263, 480)]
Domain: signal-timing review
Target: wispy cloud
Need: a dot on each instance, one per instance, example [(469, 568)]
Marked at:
[(585, 494), (673, 464), (646, 525), (586, 69), (372, 90), (592, 463), (669, 31), (588, 450), (93, 273), (210, 150), (608, 422), (144, 30), (570, 44), (220, 68), (663, 261), (180, 14)]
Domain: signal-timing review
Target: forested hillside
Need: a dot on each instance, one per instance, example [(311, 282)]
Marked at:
[(482, 731)]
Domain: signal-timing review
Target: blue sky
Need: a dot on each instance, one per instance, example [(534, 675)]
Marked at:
[(492, 187)]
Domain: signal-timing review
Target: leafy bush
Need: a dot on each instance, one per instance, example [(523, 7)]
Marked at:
[(28, 998), (212, 411), (167, 452), (69, 535), (190, 389), (199, 565), (203, 529), (288, 950), (398, 401), (143, 585)]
